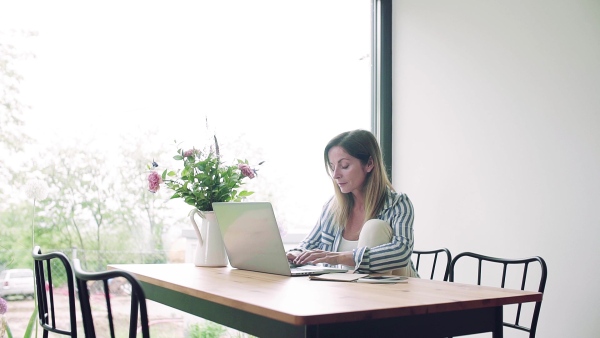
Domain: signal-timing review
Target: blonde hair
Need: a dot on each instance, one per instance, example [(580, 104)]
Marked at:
[(362, 145)]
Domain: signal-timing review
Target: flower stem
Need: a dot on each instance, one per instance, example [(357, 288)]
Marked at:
[(33, 226), (33, 320)]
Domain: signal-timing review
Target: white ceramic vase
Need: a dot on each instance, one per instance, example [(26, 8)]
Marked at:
[(210, 250)]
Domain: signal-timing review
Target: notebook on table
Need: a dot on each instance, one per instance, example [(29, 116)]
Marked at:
[(253, 242)]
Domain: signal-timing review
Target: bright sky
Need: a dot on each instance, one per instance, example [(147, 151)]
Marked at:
[(110, 67)]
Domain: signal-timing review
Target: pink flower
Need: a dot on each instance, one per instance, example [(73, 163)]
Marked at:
[(189, 152), (3, 306), (246, 170), (154, 181)]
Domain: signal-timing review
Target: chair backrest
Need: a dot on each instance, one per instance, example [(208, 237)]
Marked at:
[(430, 259), (50, 293), (503, 270), (110, 284)]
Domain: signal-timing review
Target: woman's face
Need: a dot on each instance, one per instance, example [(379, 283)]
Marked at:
[(347, 171)]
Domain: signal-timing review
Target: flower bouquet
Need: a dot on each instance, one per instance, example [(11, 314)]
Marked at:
[(204, 178)]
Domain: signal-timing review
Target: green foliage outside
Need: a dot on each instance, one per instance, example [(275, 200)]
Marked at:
[(206, 330), (87, 208)]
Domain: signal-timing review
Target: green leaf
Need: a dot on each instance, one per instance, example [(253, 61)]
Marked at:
[(8, 332), (30, 324), (245, 193)]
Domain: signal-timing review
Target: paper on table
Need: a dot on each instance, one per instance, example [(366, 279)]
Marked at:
[(376, 279), (339, 277)]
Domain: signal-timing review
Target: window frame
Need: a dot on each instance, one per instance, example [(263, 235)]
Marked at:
[(381, 78)]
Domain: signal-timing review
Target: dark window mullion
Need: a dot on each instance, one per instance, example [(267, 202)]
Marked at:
[(381, 77)]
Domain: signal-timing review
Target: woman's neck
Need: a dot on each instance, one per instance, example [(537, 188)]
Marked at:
[(359, 201)]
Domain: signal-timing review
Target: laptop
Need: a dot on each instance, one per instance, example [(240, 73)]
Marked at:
[(253, 242)]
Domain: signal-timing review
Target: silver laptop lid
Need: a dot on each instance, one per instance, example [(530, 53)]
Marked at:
[(251, 236)]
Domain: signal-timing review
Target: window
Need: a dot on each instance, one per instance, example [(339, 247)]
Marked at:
[(275, 79)]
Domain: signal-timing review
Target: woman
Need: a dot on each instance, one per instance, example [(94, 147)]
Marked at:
[(366, 225)]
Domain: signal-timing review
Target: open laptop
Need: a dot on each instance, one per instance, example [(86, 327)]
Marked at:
[(253, 242)]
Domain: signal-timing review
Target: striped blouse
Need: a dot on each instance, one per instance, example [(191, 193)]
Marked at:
[(397, 211)]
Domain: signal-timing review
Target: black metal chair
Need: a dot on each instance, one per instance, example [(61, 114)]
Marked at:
[(46, 294), (91, 283), (495, 268), (432, 260)]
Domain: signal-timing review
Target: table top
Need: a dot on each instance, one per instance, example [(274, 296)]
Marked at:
[(300, 301)]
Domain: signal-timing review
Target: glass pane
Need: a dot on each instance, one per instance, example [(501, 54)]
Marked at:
[(275, 80)]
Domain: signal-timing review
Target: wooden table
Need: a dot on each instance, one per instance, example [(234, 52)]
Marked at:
[(268, 305)]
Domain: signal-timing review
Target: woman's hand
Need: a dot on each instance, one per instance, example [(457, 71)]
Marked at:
[(320, 256), (291, 255)]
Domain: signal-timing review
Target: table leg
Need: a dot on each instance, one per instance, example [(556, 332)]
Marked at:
[(499, 326)]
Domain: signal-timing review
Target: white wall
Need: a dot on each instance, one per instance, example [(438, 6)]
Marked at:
[(497, 142)]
